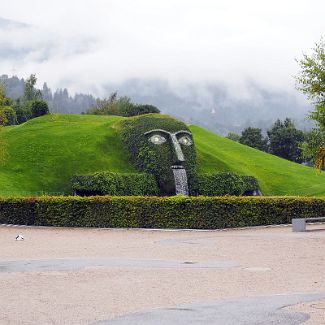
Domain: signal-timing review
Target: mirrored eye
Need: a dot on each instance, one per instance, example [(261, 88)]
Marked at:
[(157, 139), (185, 140)]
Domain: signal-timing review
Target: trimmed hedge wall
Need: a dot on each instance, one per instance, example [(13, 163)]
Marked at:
[(224, 184), (18, 211), (108, 183), (158, 212)]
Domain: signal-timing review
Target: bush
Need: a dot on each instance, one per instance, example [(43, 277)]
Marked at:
[(121, 106), (23, 111), (38, 108), (7, 116), (108, 183), (159, 212), (140, 109), (218, 184)]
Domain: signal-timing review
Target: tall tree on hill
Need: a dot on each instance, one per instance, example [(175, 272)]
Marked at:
[(253, 137), (284, 140), (311, 81), (30, 91)]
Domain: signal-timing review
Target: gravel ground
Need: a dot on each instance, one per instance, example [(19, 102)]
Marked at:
[(152, 269)]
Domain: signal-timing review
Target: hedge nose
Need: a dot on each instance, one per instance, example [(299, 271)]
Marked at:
[(158, 212)]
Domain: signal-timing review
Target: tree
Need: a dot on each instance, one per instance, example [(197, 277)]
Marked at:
[(311, 81), (121, 106), (313, 141), (38, 108), (30, 92), (284, 140), (253, 137), (233, 136), (4, 100)]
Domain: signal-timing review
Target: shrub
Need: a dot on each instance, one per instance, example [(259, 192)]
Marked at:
[(7, 116), (159, 212), (224, 183), (108, 183), (121, 106), (38, 108), (140, 109)]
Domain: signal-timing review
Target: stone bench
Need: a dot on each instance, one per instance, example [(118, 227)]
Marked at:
[(299, 224)]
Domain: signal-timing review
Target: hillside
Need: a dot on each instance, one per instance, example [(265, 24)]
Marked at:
[(45, 152)]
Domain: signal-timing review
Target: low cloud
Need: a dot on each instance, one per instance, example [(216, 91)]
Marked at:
[(85, 45)]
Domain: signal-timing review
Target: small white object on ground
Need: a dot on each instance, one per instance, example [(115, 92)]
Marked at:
[(20, 237)]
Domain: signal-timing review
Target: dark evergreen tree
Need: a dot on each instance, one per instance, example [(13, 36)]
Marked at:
[(284, 140), (253, 137)]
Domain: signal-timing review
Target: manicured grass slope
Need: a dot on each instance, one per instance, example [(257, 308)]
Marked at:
[(276, 176), (45, 152)]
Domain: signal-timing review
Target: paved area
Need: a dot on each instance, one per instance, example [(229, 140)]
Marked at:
[(247, 311), (97, 276)]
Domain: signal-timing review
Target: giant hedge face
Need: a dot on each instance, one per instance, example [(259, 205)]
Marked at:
[(157, 144)]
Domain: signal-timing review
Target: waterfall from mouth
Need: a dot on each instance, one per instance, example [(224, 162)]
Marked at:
[(180, 177)]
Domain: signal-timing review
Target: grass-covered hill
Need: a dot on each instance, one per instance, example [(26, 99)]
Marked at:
[(45, 152)]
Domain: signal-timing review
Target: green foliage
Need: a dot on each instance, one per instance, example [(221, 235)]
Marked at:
[(233, 136), (157, 159), (313, 140), (108, 183), (30, 92), (18, 211), (158, 212), (284, 140), (4, 100), (252, 137), (219, 184), (120, 106), (23, 111), (311, 80), (7, 116), (38, 108), (31, 104)]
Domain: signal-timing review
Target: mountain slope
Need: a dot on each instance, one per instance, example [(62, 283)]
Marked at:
[(45, 152)]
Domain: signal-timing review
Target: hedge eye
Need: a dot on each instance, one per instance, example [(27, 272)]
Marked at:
[(185, 140), (157, 139)]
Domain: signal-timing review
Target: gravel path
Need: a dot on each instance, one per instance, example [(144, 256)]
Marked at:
[(84, 276)]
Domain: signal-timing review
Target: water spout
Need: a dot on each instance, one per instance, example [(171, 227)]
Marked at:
[(180, 177)]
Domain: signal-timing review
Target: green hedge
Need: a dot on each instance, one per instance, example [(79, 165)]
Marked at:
[(19, 211), (224, 183), (108, 183), (159, 212)]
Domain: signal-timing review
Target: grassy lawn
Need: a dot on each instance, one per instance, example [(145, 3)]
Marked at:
[(45, 152)]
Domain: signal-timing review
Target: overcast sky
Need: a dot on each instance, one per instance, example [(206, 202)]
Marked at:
[(86, 43)]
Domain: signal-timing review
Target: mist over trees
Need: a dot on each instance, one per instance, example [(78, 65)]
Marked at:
[(59, 101), (211, 105)]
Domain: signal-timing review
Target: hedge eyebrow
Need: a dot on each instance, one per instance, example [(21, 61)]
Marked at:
[(169, 133)]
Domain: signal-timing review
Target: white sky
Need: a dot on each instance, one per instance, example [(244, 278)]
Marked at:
[(83, 44)]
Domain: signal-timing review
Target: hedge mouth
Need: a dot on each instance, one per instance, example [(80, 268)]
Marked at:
[(177, 167)]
